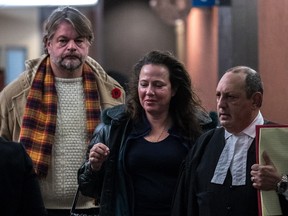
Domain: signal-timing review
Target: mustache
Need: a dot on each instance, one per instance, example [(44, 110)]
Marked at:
[(71, 56)]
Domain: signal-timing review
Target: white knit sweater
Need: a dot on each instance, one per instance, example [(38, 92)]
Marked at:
[(68, 151)]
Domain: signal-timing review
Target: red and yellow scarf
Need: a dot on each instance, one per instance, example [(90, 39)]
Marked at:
[(39, 120)]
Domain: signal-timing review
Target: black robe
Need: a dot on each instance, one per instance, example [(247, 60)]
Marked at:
[(197, 196)]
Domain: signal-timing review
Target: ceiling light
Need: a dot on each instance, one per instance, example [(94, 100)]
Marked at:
[(21, 3)]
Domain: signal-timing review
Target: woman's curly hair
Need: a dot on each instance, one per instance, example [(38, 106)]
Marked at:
[(184, 105)]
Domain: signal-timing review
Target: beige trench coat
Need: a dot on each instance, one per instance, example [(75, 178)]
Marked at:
[(13, 97)]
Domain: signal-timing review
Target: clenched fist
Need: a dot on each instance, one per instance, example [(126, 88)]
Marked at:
[(98, 154)]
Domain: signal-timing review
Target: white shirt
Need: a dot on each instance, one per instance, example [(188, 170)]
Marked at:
[(234, 154)]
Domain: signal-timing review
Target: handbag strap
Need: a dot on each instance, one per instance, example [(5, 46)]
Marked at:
[(75, 200)]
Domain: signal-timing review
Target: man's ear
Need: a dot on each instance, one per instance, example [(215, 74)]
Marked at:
[(47, 45), (257, 99)]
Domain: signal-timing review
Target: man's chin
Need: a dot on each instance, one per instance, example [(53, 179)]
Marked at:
[(224, 123), (71, 66)]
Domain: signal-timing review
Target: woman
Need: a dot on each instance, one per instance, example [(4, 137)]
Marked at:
[(135, 154)]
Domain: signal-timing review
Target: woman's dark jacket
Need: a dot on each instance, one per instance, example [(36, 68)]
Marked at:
[(117, 131)]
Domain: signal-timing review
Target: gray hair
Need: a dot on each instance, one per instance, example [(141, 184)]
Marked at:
[(253, 82), (78, 20)]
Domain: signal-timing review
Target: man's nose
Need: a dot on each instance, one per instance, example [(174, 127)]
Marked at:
[(71, 45), (221, 101)]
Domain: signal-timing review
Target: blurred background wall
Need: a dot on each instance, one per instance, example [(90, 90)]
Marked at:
[(207, 39)]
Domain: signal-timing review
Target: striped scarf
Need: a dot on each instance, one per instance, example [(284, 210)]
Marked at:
[(39, 120)]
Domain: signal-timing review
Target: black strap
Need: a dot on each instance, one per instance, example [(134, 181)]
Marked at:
[(84, 212), (75, 201)]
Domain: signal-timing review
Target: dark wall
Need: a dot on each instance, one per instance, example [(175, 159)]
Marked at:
[(2, 78), (238, 35), (225, 56), (245, 33), (131, 29)]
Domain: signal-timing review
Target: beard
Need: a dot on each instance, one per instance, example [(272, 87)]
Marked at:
[(69, 62)]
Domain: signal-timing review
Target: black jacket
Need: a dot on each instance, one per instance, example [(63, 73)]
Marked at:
[(116, 131), (19, 188)]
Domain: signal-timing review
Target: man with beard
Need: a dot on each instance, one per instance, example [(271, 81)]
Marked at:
[(55, 104)]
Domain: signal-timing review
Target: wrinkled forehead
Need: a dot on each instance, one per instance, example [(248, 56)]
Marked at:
[(232, 82)]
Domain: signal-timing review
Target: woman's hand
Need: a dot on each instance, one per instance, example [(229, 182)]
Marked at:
[(98, 154)]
